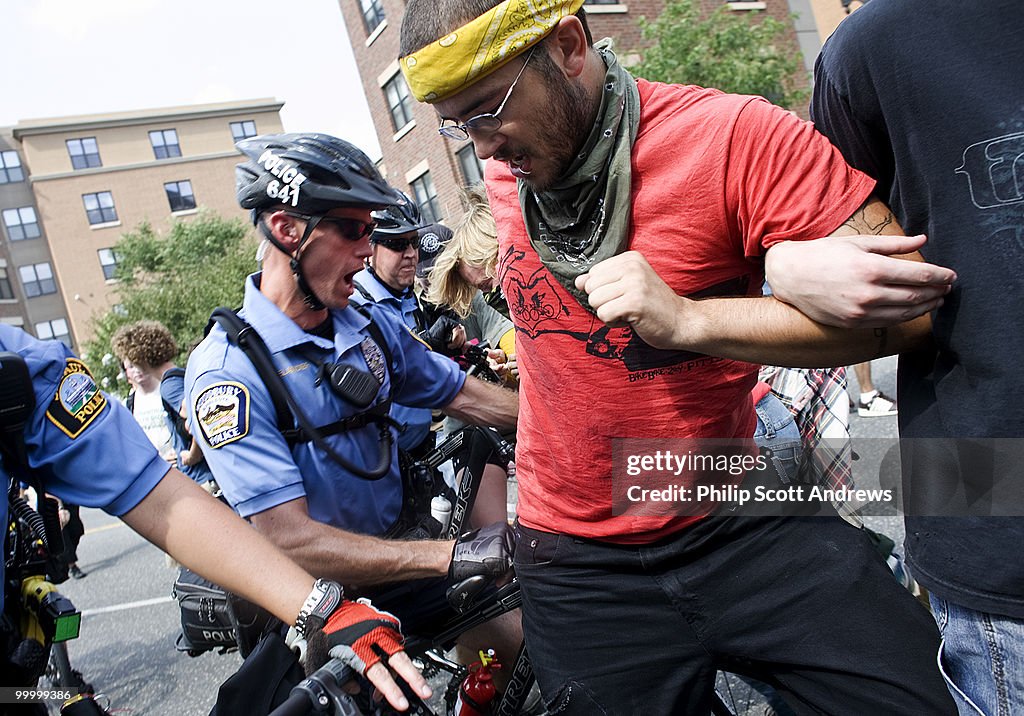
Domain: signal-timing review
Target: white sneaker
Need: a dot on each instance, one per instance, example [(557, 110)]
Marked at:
[(879, 406)]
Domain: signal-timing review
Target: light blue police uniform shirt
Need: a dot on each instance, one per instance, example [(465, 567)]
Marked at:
[(232, 414), (416, 420), (84, 447)]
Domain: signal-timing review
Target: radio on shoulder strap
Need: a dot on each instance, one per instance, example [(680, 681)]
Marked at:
[(289, 412)]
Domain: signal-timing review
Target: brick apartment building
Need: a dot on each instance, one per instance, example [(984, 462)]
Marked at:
[(430, 168), (71, 186)]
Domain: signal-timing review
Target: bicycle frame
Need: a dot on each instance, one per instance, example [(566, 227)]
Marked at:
[(480, 445)]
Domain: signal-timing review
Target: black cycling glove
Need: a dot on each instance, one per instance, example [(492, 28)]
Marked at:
[(486, 551), (439, 335)]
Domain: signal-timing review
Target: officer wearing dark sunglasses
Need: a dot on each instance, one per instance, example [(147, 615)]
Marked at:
[(388, 281), (311, 197)]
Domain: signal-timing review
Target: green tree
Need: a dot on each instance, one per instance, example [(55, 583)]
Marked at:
[(725, 50), (177, 279)]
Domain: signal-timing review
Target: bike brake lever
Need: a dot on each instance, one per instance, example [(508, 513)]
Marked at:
[(462, 594)]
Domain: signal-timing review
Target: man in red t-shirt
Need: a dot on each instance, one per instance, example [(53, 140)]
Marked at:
[(618, 203)]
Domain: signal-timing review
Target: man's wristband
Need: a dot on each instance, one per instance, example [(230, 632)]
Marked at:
[(324, 599)]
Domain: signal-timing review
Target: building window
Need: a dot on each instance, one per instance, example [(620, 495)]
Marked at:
[(180, 196), (426, 198), (56, 330), (21, 223), (84, 152), (243, 130), (6, 287), (99, 207), (373, 14), (10, 168), (472, 167), (165, 143), (108, 262), (37, 279), (396, 91)]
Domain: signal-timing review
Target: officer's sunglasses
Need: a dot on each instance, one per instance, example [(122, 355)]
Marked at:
[(351, 229), (487, 123), (399, 245)]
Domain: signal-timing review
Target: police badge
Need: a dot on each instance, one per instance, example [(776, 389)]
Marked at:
[(374, 359)]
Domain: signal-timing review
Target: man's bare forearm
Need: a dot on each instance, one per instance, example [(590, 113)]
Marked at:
[(483, 403), (625, 290), (855, 277), (347, 557), (183, 519), (769, 332)]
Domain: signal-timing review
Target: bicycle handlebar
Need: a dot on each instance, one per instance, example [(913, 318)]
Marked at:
[(321, 693)]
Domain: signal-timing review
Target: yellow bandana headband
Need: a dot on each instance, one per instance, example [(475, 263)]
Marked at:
[(481, 46)]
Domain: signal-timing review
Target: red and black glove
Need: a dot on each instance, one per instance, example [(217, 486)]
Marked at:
[(357, 633)]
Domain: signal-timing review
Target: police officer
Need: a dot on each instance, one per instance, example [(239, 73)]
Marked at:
[(311, 196), (88, 450), (388, 281)]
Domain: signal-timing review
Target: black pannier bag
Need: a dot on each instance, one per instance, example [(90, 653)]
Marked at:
[(212, 618)]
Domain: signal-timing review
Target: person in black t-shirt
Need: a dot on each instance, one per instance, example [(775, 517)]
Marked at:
[(925, 96)]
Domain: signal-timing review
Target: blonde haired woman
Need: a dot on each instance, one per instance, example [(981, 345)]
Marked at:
[(466, 267), (454, 278)]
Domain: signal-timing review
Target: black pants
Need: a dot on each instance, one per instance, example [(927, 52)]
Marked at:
[(72, 532), (801, 602)]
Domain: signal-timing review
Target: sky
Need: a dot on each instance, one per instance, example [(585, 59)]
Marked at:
[(68, 57)]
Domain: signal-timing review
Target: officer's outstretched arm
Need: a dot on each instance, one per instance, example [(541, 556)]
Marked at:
[(347, 557), (179, 517), (207, 537), (485, 404)]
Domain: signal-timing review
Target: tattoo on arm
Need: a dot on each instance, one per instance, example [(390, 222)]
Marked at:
[(876, 224)]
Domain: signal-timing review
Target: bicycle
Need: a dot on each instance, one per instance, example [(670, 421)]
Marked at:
[(469, 448)]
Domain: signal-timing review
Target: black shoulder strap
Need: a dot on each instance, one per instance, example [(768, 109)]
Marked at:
[(243, 335), (17, 403), (249, 340), (364, 293)]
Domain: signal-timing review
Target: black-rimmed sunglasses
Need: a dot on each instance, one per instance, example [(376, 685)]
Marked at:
[(398, 245), (351, 229)]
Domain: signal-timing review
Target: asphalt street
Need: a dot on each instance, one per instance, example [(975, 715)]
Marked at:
[(875, 443), (130, 622)]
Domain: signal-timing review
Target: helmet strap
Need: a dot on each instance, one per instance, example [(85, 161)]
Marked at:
[(308, 296)]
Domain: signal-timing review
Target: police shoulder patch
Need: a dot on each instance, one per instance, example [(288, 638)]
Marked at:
[(412, 333), (222, 411), (77, 402)]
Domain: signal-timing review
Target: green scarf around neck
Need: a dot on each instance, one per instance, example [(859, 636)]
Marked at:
[(584, 217)]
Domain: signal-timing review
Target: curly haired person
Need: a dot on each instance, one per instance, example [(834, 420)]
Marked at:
[(146, 350)]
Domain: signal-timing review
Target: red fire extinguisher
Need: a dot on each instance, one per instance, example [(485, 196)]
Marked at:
[(477, 690)]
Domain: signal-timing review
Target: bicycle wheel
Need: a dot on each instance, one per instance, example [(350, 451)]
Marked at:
[(737, 695)]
